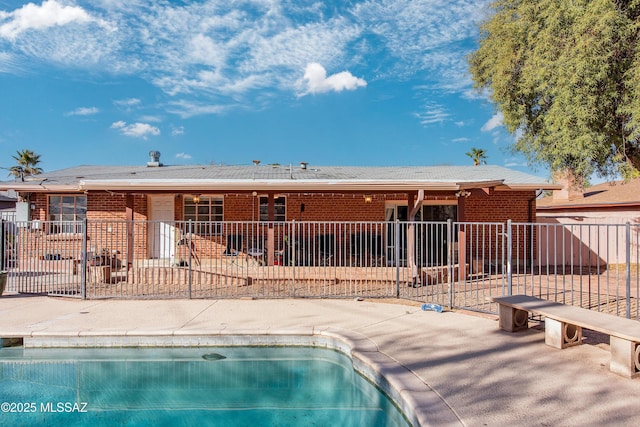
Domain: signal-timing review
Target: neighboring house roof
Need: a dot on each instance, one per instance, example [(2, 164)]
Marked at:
[(605, 195), (277, 178), (7, 203)]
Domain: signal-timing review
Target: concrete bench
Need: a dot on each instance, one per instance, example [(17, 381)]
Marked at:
[(563, 328)]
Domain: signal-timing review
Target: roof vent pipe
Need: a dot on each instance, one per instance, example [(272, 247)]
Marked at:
[(155, 159), (303, 165)]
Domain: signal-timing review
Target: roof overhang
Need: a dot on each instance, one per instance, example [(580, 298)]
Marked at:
[(528, 187), (278, 185), (40, 188), (584, 206), (273, 185)]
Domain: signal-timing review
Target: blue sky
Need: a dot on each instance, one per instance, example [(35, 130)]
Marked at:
[(381, 82)]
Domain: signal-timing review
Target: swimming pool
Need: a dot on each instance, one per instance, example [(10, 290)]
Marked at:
[(257, 386)]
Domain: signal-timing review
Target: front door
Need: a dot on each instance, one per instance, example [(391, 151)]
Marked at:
[(161, 226)]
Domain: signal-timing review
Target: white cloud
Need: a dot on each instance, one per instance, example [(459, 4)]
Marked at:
[(187, 109), (205, 50), (184, 156), (217, 53), (137, 130), (9, 64), (424, 35), (492, 123), (127, 102), (83, 111), (63, 35), (510, 163), (177, 131), (148, 118), (317, 81), (460, 140), (34, 17), (432, 113)]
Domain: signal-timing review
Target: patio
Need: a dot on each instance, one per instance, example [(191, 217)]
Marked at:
[(468, 372)]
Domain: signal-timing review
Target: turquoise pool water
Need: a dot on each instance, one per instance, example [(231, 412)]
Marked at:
[(221, 386)]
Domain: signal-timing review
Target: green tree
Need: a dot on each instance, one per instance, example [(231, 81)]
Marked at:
[(566, 77), (478, 155), (27, 164)]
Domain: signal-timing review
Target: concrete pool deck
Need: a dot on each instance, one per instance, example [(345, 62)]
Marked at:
[(458, 368)]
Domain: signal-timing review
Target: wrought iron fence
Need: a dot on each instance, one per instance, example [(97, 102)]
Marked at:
[(459, 265)]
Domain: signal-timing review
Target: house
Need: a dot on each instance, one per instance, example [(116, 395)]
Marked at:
[(260, 199), (594, 220)]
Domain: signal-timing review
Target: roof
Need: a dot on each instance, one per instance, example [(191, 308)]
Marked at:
[(607, 194), (278, 178)]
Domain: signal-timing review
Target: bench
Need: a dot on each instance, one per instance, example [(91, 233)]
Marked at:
[(563, 328)]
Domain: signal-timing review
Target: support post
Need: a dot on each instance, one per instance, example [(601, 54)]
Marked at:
[(509, 255), (83, 259), (512, 319), (397, 255), (450, 261), (628, 268), (625, 357), (414, 203), (129, 220), (559, 334), (3, 242), (271, 216), (189, 248)]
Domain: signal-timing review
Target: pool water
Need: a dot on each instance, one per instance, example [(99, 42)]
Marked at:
[(221, 386)]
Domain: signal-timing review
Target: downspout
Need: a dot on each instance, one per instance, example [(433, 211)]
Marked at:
[(530, 205)]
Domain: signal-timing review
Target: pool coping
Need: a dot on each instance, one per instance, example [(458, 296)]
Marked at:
[(420, 404)]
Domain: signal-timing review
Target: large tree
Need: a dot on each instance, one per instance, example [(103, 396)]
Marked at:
[(566, 76), (27, 164)]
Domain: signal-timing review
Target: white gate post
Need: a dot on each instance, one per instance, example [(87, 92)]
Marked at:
[(509, 255)]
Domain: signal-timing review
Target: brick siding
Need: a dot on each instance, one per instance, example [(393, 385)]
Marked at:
[(497, 206)]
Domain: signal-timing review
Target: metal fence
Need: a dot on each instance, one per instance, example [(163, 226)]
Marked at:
[(459, 265)]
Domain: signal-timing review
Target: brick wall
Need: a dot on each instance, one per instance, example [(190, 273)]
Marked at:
[(500, 206), (497, 206)]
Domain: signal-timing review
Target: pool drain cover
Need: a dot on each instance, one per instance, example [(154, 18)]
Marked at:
[(213, 356)]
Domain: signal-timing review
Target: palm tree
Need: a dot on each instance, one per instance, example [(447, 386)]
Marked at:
[(478, 155), (27, 164)]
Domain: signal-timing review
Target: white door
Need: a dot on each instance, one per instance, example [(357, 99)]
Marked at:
[(161, 230)]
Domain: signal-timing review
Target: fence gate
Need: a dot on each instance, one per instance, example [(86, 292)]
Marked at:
[(480, 251), (41, 263)]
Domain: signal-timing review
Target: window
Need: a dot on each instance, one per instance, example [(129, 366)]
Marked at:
[(280, 211), (65, 213), (439, 212), (206, 214)]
